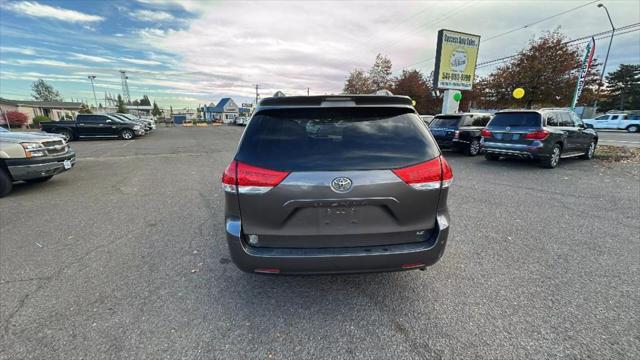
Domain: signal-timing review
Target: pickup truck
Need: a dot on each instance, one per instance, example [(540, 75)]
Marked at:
[(93, 125), (628, 122), (32, 158)]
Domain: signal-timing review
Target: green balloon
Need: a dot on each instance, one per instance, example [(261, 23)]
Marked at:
[(457, 96)]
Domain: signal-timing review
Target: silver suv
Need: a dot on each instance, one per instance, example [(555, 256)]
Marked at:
[(336, 184)]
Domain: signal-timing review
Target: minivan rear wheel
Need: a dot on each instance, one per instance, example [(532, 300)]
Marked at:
[(633, 128)]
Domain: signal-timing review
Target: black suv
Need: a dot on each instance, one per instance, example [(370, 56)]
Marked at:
[(336, 184), (459, 131), (546, 135)]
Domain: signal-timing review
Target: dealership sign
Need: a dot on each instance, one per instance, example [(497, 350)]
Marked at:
[(456, 57), (584, 70)]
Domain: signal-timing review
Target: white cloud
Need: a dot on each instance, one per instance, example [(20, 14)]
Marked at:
[(36, 9), (44, 62), (23, 51), (151, 16), (91, 58), (141, 61)]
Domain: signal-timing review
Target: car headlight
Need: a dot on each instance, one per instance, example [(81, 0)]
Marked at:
[(33, 149), (137, 127)]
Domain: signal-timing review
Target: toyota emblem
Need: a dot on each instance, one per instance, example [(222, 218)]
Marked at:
[(341, 184)]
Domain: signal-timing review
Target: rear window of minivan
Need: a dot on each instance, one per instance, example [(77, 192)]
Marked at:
[(332, 139), (516, 119)]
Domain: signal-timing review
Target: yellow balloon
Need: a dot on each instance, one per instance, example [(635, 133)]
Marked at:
[(518, 93)]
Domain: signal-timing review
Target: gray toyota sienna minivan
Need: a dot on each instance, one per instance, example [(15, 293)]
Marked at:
[(336, 184)]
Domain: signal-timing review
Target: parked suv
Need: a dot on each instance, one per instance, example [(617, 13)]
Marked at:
[(31, 157), (336, 184), (459, 131), (546, 135)]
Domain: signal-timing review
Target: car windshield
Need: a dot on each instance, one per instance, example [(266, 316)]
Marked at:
[(336, 139), (445, 121), (515, 119)]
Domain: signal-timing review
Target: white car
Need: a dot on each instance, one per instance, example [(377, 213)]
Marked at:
[(628, 122)]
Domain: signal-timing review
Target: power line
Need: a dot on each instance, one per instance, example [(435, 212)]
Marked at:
[(601, 35), (438, 19), (512, 30), (538, 21)]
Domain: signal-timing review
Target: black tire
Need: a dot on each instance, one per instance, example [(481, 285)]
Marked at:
[(633, 128), (473, 148), (39, 180), (66, 134), (554, 159), (588, 155), (5, 183), (492, 157), (127, 134)]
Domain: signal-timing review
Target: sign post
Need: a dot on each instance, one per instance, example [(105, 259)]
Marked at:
[(456, 58)]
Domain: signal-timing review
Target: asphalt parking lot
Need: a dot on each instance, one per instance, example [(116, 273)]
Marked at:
[(125, 257), (619, 138)]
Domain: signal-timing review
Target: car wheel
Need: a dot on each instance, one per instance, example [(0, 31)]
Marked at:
[(474, 148), (5, 183), (492, 157), (633, 128), (66, 135), (126, 134), (39, 180), (552, 161), (588, 155)]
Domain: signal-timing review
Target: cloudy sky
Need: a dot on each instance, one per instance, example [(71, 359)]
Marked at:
[(189, 52)]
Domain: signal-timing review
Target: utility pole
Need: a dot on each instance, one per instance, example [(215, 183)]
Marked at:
[(257, 94), (125, 86), (95, 98), (604, 67)]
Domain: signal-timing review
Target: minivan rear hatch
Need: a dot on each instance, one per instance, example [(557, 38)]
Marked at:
[(336, 185)]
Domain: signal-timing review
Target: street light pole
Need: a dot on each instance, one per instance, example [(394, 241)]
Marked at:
[(91, 77), (604, 67)]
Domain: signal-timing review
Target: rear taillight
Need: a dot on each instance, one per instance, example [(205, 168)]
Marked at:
[(432, 174), (536, 135), (229, 181), (447, 173), (485, 133), (249, 179)]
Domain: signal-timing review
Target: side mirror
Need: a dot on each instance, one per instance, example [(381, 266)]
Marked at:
[(109, 121), (582, 126)]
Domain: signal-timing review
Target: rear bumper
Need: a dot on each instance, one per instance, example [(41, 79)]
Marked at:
[(338, 260), (514, 150), (25, 169)]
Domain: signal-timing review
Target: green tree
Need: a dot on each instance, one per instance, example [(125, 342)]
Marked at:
[(357, 83), (547, 70), (145, 101), (623, 89), (414, 84), (156, 110), (84, 109), (122, 108), (380, 73), (43, 91)]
